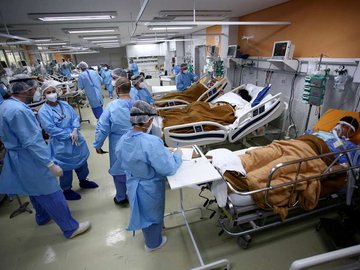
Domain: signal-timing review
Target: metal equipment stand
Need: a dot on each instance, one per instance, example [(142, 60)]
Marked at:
[(78, 106), (212, 265), (22, 208)]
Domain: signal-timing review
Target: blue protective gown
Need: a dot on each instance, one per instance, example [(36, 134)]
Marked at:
[(184, 80), (176, 69), (134, 68), (133, 93), (91, 82), (25, 165), (144, 94), (106, 76), (114, 122), (146, 162), (59, 121)]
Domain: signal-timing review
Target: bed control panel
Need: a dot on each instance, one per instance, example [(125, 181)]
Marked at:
[(198, 129)]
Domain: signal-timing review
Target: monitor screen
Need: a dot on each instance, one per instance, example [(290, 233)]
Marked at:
[(3, 64), (280, 48), (232, 49), (23, 63)]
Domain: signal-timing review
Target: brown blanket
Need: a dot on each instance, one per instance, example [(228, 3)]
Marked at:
[(190, 95), (258, 163), (221, 113)]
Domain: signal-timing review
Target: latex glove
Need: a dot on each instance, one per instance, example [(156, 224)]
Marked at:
[(74, 137), (100, 151), (56, 170)]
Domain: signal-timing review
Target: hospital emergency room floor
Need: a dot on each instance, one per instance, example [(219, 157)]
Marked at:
[(24, 245)]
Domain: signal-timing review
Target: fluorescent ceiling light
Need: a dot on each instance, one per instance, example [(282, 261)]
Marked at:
[(43, 40), (99, 37), (89, 30), (168, 25), (165, 27), (108, 44), (105, 41), (51, 44), (155, 34), (73, 16)]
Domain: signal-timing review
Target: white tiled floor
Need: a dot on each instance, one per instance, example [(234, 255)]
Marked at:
[(24, 245)]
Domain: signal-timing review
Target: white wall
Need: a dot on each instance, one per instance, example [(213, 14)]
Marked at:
[(199, 38), (114, 57), (140, 50)]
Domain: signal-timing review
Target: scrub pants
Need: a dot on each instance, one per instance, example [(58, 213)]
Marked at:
[(152, 235), (97, 111), (54, 206), (66, 179), (110, 89), (120, 186)]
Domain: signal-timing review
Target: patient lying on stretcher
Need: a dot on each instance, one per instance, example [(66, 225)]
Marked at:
[(258, 163)]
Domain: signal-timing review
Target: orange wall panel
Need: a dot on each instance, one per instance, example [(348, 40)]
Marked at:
[(331, 27), (212, 32)]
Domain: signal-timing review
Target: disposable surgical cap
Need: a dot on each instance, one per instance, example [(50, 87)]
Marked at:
[(118, 72), (141, 112), (47, 84), (82, 65), (21, 83), (183, 65)]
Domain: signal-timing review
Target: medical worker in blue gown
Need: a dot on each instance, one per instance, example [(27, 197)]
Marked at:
[(28, 167), (67, 146), (133, 67), (184, 78), (121, 73), (113, 123), (106, 75), (90, 81), (142, 92), (146, 162)]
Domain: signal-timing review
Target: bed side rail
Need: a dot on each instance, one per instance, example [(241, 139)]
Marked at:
[(199, 136), (213, 91), (255, 117), (320, 259), (350, 169), (171, 104)]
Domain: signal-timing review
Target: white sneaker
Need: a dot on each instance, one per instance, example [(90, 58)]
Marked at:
[(163, 242), (83, 227)]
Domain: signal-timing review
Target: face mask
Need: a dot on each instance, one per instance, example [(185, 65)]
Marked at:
[(51, 97), (113, 82), (105, 68), (338, 130), (185, 71)]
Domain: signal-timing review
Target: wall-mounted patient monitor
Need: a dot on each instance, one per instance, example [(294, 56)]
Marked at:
[(233, 51), (283, 50)]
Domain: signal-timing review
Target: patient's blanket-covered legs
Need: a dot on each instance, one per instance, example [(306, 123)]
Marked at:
[(258, 163)]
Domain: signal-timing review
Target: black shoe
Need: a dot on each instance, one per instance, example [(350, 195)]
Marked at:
[(124, 202), (87, 184)]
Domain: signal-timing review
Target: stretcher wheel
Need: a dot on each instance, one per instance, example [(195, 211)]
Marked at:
[(244, 241)]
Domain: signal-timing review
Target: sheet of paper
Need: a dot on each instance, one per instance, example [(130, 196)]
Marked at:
[(187, 153)]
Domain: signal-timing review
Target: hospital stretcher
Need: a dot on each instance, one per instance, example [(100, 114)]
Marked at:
[(241, 217), (208, 94), (247, 121)]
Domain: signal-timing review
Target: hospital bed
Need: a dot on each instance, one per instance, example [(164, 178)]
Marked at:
[(206, 89), (247, 120), (241, 217)]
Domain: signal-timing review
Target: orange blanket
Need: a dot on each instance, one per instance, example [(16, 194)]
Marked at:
[(190, 95), (221, 113), (258, 163)]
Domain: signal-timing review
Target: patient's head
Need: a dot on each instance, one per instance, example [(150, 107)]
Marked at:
[(244, 94), (347, 127)]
